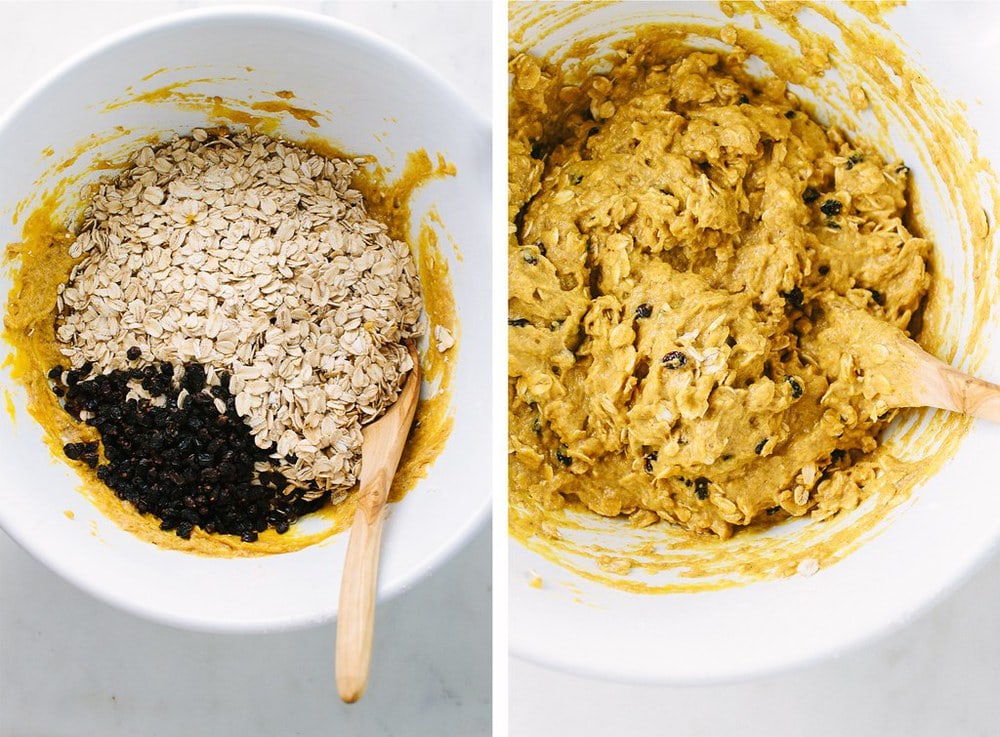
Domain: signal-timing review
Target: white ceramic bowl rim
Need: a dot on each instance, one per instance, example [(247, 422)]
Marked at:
[(301, 18)]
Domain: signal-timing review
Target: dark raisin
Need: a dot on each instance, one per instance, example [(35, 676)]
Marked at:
[(760, 446), (133, 353), (743, 100), (194, 378), (831, 208), (649, 460), (701, 488), (854, 159), (795, 298), (643, 311), (876, 296), (824, 270), (810, 195), (789, 114), (56, 373), (837, 455), (518, 322), (563, 458), (190, 467), (833, 225), (796, 386), (674, 360)]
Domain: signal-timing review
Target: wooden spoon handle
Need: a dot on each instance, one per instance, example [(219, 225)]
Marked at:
[(356, 616), (943, 387), (382, 448)]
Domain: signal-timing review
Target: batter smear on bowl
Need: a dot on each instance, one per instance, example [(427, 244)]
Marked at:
[(678, 231), (234, 318)]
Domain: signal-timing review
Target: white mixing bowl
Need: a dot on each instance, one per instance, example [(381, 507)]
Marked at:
[(922, 548), (372, 99)]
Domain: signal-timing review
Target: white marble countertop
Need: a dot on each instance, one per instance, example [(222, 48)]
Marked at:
[(71, 666)]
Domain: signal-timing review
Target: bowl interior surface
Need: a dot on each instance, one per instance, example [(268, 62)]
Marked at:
[(370, 98), (928, 543)]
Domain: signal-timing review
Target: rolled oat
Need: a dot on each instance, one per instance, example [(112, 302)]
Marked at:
[(255, 257)]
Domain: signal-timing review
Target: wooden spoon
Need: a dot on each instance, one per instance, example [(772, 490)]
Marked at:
[(383, 442), (898, 371)]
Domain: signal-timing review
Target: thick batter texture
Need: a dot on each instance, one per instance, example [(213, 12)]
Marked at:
[(679, 233)]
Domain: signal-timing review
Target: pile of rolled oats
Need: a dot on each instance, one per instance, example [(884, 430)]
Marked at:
[(255, 258)]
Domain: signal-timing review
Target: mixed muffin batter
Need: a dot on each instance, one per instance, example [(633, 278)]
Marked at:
[(680, 233)]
